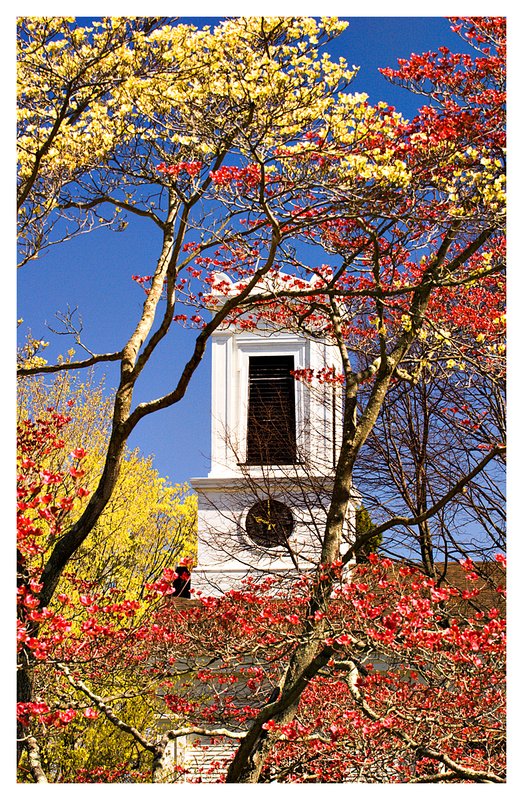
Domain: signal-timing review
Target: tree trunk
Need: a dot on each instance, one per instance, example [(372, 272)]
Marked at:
[(164, 761), (254, 749), (35, 763), (24, 693)]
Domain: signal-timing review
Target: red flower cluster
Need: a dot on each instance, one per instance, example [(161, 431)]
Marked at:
[(190, 168), (241, 177)]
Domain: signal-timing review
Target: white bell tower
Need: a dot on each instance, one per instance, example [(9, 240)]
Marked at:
[(275, 441)]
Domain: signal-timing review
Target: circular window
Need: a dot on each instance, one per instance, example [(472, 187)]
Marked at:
[(269, 523)]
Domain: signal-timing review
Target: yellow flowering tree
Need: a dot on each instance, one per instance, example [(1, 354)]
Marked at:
[(148, 524)]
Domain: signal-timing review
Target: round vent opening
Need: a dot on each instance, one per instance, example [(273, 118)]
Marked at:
[(269, 523)]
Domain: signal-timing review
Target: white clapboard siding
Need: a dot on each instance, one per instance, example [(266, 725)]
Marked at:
[(204, 760)]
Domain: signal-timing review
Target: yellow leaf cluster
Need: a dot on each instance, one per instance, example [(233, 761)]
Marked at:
[(477, 180), (84, 90)]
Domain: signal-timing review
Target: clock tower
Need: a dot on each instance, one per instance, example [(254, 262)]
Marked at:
[(275, 442)]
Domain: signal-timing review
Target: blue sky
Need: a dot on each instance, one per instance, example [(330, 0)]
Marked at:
[(94, 271)]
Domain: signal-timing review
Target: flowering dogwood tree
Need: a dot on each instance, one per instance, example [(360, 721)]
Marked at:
[(408, 686), (394, 642), (244, 149)]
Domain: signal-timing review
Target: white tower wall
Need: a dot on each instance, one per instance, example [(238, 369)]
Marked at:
[(226, 553)]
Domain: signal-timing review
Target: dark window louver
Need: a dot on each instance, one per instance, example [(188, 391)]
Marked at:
[(271, 421)]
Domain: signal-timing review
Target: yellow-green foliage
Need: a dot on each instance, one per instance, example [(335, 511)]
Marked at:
[(149, 524), (79, 751)]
